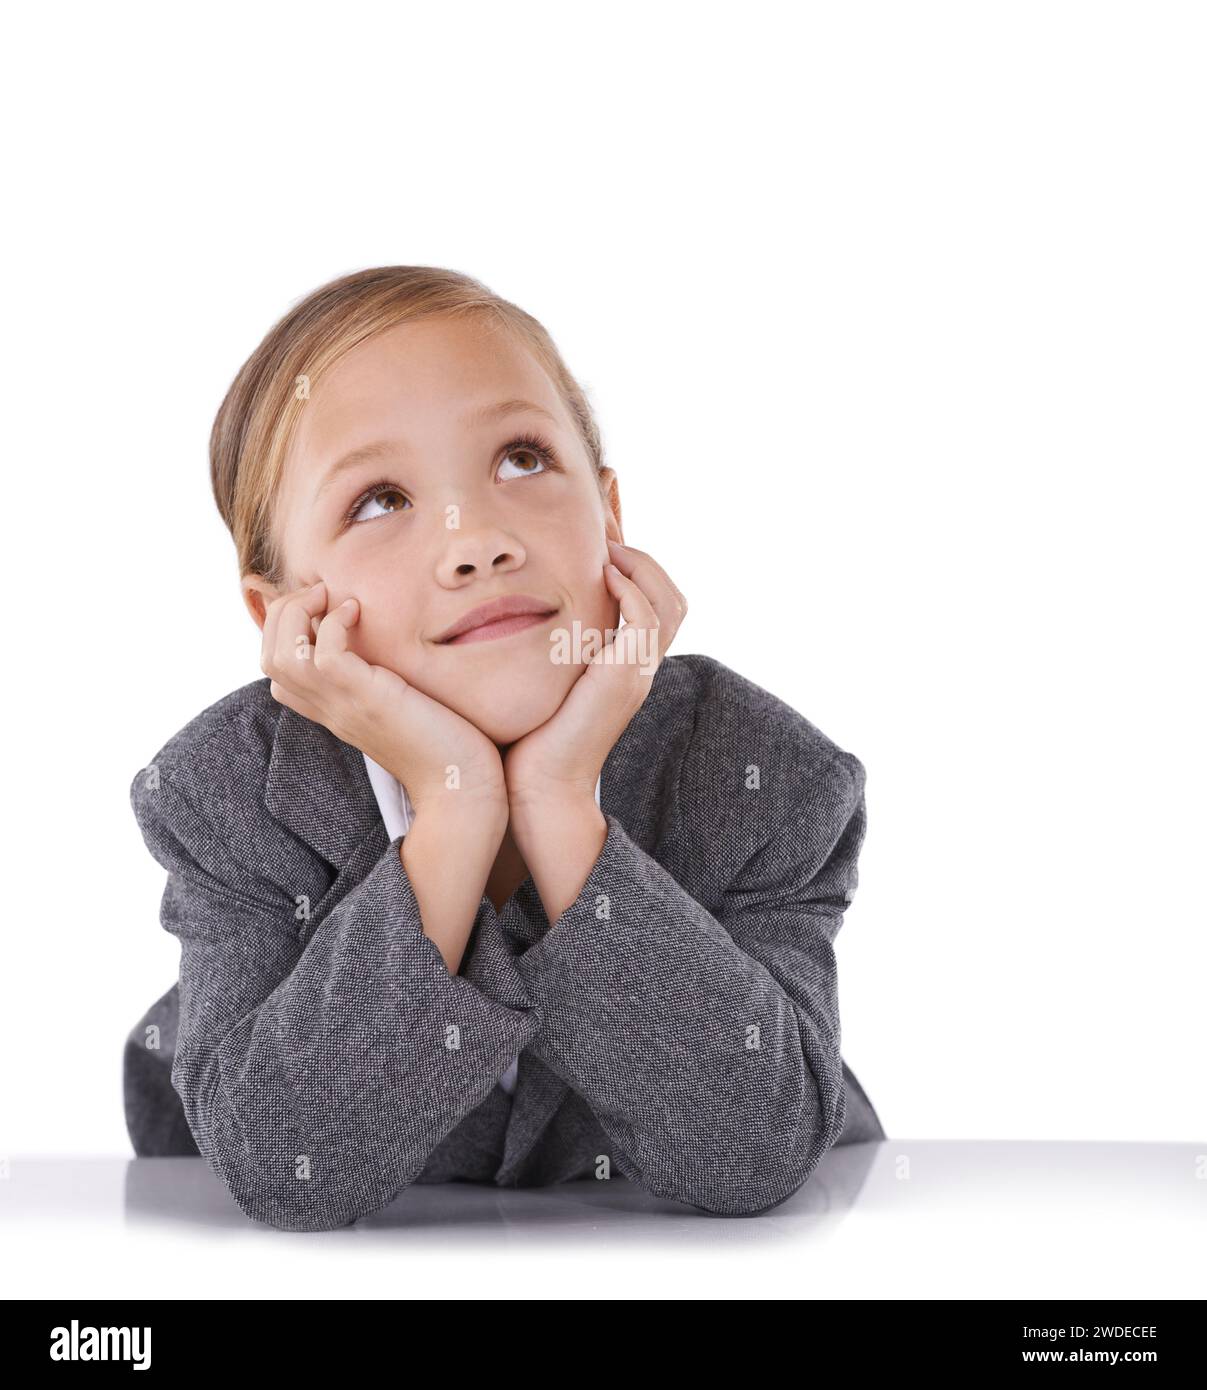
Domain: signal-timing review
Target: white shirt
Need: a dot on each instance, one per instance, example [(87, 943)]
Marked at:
[(397, 812)]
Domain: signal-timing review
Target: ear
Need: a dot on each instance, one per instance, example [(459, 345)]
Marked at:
[(258, 593), (609, 490)]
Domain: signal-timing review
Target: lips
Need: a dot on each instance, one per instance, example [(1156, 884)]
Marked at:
[(498, 618)]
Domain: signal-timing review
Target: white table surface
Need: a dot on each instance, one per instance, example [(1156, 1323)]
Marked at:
[(896, 1219)]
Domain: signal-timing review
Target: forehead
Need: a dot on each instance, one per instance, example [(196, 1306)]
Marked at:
[(411, 382)]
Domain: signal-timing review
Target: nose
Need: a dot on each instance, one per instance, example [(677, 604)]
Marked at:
[(479, 553)]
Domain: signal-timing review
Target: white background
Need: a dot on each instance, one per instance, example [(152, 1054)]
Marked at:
[(893, 317)]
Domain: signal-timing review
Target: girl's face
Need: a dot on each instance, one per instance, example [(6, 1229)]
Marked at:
[(407, 487)]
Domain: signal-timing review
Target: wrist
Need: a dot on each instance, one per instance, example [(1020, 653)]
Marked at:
[(471, 830), (449, 812), (552, 817), (475, 801), (550, 797), (560, 841)]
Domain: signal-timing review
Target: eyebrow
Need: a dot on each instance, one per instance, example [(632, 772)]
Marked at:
[(383, 448)]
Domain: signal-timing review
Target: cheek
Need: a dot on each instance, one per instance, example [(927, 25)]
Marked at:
[(604, 610), (386, 632), (591, 601)]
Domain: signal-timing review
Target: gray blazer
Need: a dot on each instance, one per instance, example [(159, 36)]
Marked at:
[(679, 1026)]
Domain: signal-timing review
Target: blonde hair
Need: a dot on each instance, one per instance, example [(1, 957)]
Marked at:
[(255, 423)]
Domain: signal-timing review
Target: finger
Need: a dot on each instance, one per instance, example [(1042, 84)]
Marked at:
[(286, 618), (635, 606), (641, 639), (644, 570), (667, 602), (331, 654), (272, 616), (293, 648)]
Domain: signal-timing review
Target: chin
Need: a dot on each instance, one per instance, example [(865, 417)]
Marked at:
[(507, 714)]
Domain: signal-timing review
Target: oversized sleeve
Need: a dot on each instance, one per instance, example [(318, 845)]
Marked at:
[(316, 1078), (708, 1043)]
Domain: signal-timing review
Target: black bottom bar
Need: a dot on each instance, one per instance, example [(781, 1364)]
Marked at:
[(214, 1336)]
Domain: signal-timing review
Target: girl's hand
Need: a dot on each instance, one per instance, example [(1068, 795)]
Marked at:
[(560, 762), (441, 759)]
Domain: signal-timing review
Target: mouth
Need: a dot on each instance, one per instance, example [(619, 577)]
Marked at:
[(499, 618)]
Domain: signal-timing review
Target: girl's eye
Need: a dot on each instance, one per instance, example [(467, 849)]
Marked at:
[(530, 462), (370, 495), (533, 448)]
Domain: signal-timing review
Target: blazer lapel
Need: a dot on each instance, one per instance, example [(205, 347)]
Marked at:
[(318, 787)]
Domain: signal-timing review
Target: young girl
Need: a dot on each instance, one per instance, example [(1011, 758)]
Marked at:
[(477, 883)]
